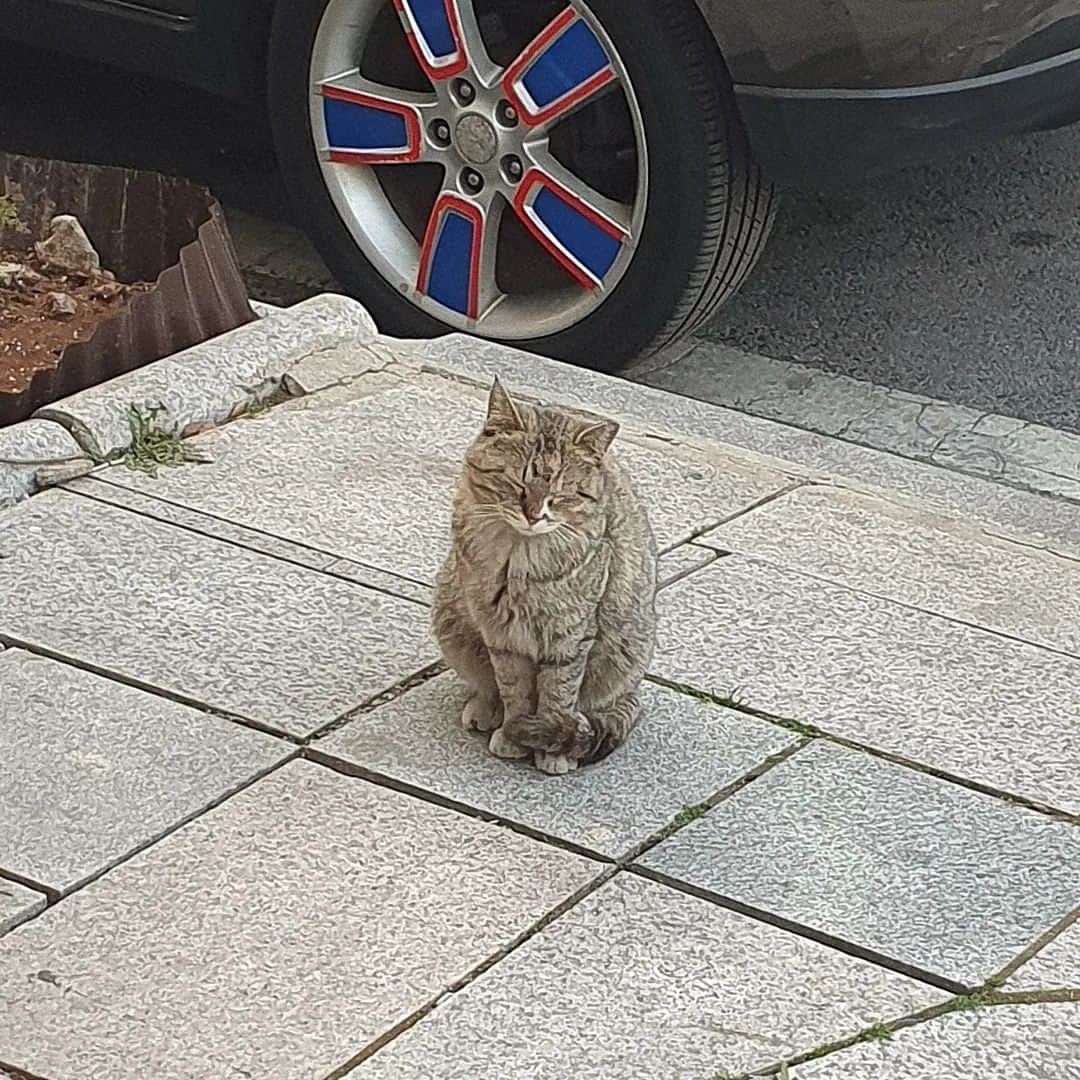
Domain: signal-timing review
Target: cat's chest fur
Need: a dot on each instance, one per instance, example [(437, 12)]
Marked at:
[(531, 592)]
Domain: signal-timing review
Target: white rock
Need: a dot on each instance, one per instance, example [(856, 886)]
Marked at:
[(10, 274), (61, 306), (68, 248)]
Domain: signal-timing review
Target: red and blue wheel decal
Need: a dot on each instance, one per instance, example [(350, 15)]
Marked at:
[(450, 255), (564, 64), (435, 36), (367, 130), (584, 242)]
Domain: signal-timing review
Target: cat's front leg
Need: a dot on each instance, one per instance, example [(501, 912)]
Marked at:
[(515, 676), (558, 732)]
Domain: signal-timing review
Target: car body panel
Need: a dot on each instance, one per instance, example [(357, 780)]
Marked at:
[(828, 90), (885, 44)]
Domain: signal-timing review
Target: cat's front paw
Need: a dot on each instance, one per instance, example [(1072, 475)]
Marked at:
[(481, 713), (503, 747), (554, 764)]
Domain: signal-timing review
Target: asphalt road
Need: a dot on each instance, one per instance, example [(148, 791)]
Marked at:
[(960, 282)]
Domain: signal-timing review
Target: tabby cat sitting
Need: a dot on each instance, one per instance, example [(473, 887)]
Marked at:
[(545, 605)]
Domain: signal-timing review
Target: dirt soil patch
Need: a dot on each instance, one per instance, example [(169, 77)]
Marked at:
[(37, 323)]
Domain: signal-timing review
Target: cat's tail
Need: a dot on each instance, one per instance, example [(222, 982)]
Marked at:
[(570, 734), (583, 738)]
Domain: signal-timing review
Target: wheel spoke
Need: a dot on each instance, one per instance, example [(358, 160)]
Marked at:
[(444, 36), (369, 124), (563, 67), (457, 258), (581, 229)]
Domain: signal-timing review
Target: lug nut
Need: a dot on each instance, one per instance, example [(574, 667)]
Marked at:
[(440, 132), (472, 180), (507, 114), (512, 168), (463, 91)]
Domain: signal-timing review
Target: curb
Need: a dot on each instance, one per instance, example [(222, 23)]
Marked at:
[(331, 341), (1007, 450), (197, 387)]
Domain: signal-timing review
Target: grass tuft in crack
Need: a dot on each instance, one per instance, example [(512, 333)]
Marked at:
[(688, 814), (735, 701), (154, 443)]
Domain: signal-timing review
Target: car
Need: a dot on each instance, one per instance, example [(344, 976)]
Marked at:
[(588, 179)]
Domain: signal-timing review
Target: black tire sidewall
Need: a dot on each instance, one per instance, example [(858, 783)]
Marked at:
[(679, 83)]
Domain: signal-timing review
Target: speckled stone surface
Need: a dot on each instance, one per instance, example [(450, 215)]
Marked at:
[(17, 903), (229, 628), (681, 752), (930, 562), (966, 701), (205, 382), (1007, 1042), (339, 366), (274, 937), (1054, 967), (94, 769), (642, 981), (918, 869), (1027, 516), (24, 445), (372, 479)]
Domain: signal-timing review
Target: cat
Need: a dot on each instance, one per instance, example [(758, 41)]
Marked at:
[(545, 606)]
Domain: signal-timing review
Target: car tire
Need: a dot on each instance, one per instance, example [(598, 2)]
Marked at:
[(707, 208)]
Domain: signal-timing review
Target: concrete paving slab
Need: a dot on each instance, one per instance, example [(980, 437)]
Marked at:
[(995, 711), (1006, 1042), (274, 937), (100, 486), (931, 562), (681, 753), (17, 903), (915, 868), (94, 770), (280, 644), (1055, 967), (642, 981), (372, 479)]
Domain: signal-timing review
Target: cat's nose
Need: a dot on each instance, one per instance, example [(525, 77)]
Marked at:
[(534, 509)]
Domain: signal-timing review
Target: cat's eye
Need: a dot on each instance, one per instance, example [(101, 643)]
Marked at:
[(586, 495)]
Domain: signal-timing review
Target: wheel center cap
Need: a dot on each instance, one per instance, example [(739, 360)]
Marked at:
[(475, 139)]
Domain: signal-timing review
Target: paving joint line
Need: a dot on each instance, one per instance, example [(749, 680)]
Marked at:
[(693, 813), (175, 696), (145, 845), (434, 798), (986, 996), (813, 731), (1037, 946), (383, 697), (19, 1074), (703, 530), (954, 619), (860, 952), (537, 927), (278, 556), (668, 582), (51, 895)]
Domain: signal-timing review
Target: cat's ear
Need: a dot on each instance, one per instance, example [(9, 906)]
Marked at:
[(502, 413), (597, 437)]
